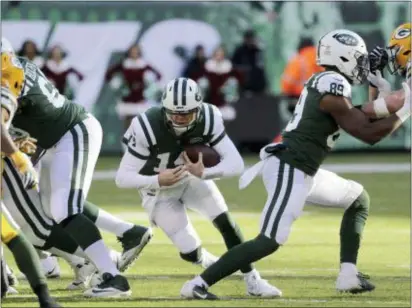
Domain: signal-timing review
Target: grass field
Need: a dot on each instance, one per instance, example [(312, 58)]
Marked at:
[(305, 269)]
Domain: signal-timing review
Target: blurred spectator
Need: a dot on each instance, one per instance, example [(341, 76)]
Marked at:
[(140, 79), (248, 57), (59, 71), (297, 71), (220, 82), (30, 51), (196, 64)]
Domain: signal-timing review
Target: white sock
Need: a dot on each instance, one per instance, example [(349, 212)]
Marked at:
[(42, 254), (252, 273), (112, 224), (69, 258), (200, 282), (100, 256), (348, 268)]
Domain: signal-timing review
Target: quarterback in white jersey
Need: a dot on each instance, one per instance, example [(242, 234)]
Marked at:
[(168, 183)]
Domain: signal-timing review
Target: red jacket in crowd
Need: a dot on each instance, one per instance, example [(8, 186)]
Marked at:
[(218, 73), (133, 72), (58, 73)]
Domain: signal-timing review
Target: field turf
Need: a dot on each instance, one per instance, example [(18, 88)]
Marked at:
[(305, 269)]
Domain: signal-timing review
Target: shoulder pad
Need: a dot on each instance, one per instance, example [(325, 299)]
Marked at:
[(331, 83)]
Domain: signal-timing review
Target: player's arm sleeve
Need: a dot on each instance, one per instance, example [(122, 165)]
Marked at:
[(231, 163), (128, 175)]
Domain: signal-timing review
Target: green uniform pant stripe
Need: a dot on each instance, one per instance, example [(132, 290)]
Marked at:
[(284, 202), (16, 176), (74, 171), (85, 151), (145, 131), (21, 209), (279, 183), (211, 121)]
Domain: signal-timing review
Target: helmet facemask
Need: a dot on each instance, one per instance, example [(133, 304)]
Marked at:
[(361, 70), (396, 56), (181, 121)]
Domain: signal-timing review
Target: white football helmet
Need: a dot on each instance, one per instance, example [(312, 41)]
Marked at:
[(6, 46), (346, 51), (181, 101)]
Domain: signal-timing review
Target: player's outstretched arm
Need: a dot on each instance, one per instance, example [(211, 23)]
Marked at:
[(357, 123)]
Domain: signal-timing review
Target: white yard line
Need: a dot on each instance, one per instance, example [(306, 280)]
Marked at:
[(339, 168)]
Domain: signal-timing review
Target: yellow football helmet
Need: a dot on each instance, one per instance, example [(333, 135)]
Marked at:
[(12, 73), (400, 48)]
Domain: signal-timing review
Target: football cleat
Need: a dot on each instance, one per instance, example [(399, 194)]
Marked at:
[(83, 274), (112, 286), (51, 267), (192, 291), (353, 283), (256, 286), (133, 241), (11, 277)]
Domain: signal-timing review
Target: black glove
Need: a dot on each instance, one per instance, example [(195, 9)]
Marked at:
[(378, 59)]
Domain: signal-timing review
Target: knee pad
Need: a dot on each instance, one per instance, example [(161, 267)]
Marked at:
[(193, 256), (224, 222), (355, 190), (186, 239)]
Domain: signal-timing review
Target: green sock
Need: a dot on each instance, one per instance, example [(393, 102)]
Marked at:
[(91, 211), (82, 230), (27, 260), (351, 229), (238, 257), (60, 239), (231, 234)]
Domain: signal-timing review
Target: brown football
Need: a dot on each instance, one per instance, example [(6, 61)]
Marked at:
[(210, 156)]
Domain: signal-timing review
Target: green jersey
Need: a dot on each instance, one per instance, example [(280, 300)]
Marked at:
[(312, 133), (43, 112), (149, 138)]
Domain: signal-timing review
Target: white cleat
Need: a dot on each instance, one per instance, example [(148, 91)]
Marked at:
[(11, 290), (51, 267), (83, 274), (353, 283), (207, 259), (133, 242), (256, 286), (112, 286), (191, 290)]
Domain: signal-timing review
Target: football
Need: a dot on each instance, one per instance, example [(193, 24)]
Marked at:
[(210, 156)]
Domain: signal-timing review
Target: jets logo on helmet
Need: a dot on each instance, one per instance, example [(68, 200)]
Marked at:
[(181, 101), (344, 51)]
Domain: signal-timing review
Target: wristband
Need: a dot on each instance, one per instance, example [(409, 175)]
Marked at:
[(380, 108)]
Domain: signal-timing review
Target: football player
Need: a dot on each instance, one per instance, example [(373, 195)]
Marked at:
[(26, 205), (168, 182), (396, 57), (72, 139), (291, 170), (12, 78)]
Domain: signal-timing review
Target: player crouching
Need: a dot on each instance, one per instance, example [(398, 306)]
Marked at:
[(168, 181)]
